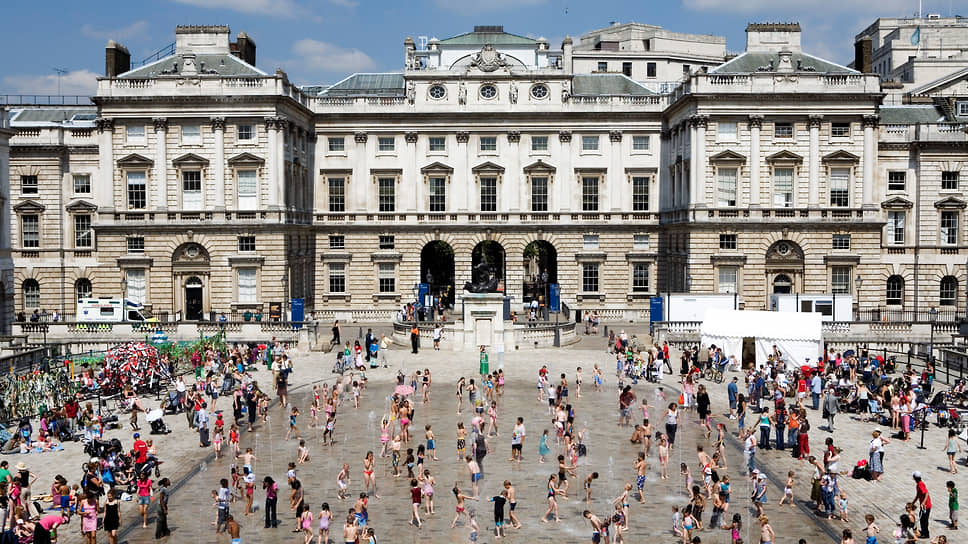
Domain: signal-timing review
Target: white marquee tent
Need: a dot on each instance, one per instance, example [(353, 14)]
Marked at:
[(799, 336)]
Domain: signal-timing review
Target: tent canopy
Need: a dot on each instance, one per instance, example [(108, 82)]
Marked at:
[(798, 336)]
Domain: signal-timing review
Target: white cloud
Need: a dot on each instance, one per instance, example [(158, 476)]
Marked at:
[(317, 56), (464, 7), (349, 4), (821, 7), (136, 29), (79, 82), (276, 8)]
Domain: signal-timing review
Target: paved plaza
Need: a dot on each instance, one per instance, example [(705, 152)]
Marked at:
[(195, 472)]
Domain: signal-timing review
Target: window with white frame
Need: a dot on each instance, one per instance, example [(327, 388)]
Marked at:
[(840, 241), (727, 186), (336, 144), (246, 244), (488, 143), (728, 279), (949, 227), (783, 130), (337, 241), (245, 133), (589, 143), (949, 180), (386, 144), (962, 109), (135, 285), (727, 242), (589, 193), (248, 285), (387, 277), (438, 194), (137, 190), (191, 134), (640, 241), (539, 143), (337, 194), (840, 130), (387, 198), (726, 131), (589, 277), (783, 187), (640, 193), (640, 278), (337, 277), (31, 289), (29, 230), (387, 241), (82, 183), (248, 183), (602, 66), (894, 291), (840, 280), (437, 143), (895, 228), (539, 194), (650, 69), (192, 190), (488, 194), (83, 289), (896, 180), (640, 142), (590, 241), (135, 244), (948, 291), (83, 235), (29, 185), (840, 187), (135, 135)]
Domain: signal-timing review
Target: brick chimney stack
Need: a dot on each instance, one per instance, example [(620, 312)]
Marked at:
[(244, 48), (864, 55), (117, 59)]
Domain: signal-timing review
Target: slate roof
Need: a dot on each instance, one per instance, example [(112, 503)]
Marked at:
[(940, 82), (607, 85), (53, 116), (909, 115), (222, 64), (493, 38), (753, 62), (383, 84)]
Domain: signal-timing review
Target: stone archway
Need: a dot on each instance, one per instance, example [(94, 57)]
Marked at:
[(191, 274), (437, 270), (784, 268), (539, 269)]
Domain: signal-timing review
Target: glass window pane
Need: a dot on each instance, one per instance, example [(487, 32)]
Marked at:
[(589, 278), (83, 237), (539, 194), (488, 194), (30, 230), (640, 143), (137, 191), (337, 277), (589, 194), (438, 194), (640, 193), (438, 143), (248, 190), (192, 190), (82, 183), (727, 186), (539, 143), (640, 278), (336, 144), (337, 194), (136, 288), (840, 187), (387, 196), (387, 277), (727, 279), (248, 285), (783, 187), (726, 131), (589, 143), (191, 135)]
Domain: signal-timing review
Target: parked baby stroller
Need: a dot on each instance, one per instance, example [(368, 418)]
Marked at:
[(342, 365), (156, 420), (172, 405)]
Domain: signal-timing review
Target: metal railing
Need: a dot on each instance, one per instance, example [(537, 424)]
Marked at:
[(908, 316), (45, 100)]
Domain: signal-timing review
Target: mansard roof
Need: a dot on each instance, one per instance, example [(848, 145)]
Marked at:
[(910, 114), (767, 61), (607, 85), (220, 64), (494, 35)]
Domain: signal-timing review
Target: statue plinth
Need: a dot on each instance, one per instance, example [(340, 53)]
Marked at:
[(483, 323)]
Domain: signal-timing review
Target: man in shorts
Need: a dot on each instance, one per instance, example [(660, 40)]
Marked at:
[(517, 441)]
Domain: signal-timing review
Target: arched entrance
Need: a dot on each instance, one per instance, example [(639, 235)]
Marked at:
[(194, 297), (540, 270), (782, 285), (437, 270), (492, 253), (784, 268)]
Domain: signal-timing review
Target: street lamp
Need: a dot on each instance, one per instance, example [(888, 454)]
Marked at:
[(124, 289), (285, 292), (934, 315), (857, 283)]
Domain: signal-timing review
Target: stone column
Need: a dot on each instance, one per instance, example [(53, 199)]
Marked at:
[(513, 177), (461, 190), (693, 163), (218, 171), (104, 184), (615, 173), (410, 178), (813, 162), (698, 164), (356, 200), (565, 182), (282, 126), (870, 158), (160, 194), (756, 123), (273, 164)]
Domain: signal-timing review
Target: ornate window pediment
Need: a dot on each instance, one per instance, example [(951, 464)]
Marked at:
[(29, 206), (950, 203), (135, 160), (841, 156), (897, 203), (437, 168), (81, 205), (539, 167), (784, 251), (246, 159), (488, 167), (786, 156), (728, 156), (190, 253), (190, 159)]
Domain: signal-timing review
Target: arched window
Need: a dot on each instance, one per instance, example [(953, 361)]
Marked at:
[(83, 289), (949, 291), (895, 291), (31, 291)]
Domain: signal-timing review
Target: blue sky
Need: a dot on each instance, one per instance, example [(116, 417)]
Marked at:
[(320, 41)]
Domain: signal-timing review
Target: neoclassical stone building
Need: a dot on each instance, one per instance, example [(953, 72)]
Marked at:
[(199, 183)]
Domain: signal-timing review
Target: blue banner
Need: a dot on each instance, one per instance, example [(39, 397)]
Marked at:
[(298, 312), (655, 309), (423, 289), (554, 296)]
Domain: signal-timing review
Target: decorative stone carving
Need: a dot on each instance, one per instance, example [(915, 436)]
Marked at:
[(565, 91), (411, 92), (218, 123), (699, 121), (564, 136), (756, 121), (514, 136), (513, 93), (463, 136), (462, 93), (160, 123), (410, 137), (104, 123), (871, 121), (814, 121), (360, 137), (488, 59), (615, 135)]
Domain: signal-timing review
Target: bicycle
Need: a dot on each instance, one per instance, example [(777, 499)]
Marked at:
[(714, 374)]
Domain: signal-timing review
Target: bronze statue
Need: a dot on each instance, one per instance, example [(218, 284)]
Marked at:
[(483, 279)]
